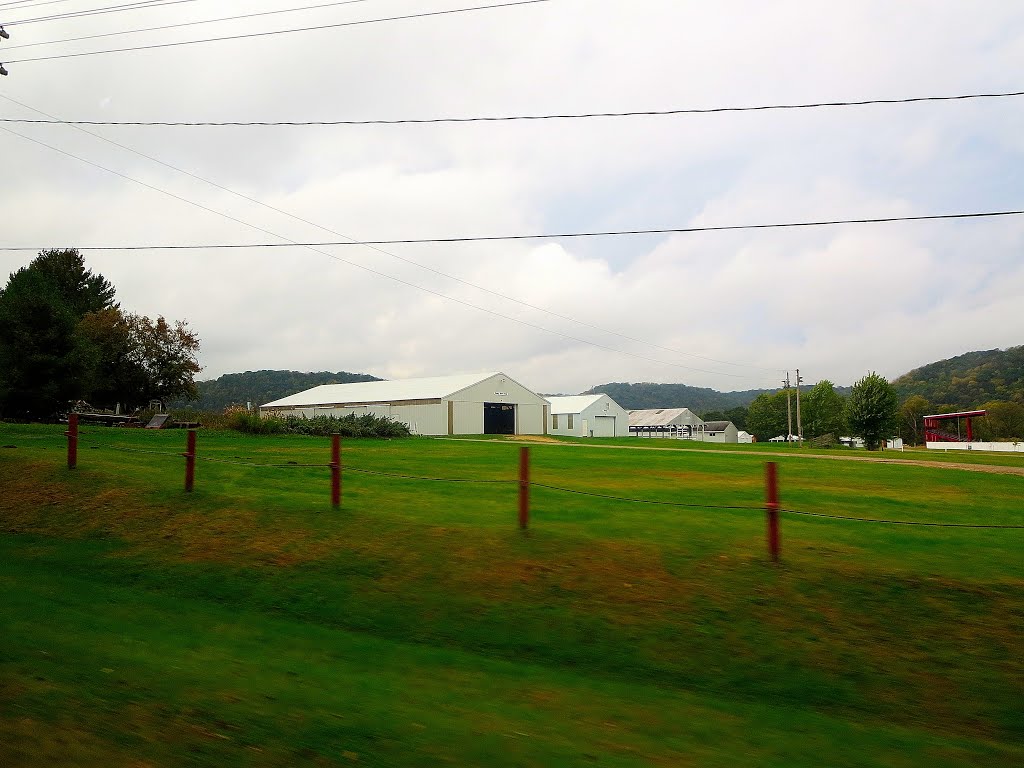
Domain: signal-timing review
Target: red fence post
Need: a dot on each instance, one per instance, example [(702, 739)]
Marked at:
[(772, 508), (190, 461), (524, 487), (72, 435), (336, 471)]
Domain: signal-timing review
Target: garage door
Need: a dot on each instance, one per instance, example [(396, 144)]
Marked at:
[(604, 426), (499, 419)]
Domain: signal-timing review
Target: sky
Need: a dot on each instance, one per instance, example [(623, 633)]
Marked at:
[(730, 310)]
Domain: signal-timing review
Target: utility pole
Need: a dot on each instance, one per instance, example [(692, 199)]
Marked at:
[(789, 410), (799, 425)]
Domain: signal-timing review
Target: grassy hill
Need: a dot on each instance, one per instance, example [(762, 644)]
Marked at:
[(259, 387), (250, 624), (968, 380)]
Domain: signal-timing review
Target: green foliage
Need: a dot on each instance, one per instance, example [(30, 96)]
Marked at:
[(697, 399), (80, 289), (766, 416), (65, 339), (1003, 422), (367, 425), (965, 381), (823, 411), (911, 416), (44, 362), (873, 410), (261, 387), (737, 415)]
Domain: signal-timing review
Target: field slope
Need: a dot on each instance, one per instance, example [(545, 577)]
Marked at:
[(248, 623)]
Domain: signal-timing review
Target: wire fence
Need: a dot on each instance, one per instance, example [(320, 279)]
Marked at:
[(771, 505)]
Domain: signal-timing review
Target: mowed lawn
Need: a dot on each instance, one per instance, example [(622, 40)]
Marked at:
[(249, 623)]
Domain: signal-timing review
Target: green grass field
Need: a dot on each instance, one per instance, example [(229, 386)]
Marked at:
[(249, 623)]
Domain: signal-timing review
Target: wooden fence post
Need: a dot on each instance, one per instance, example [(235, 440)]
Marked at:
[(72, 435), (772, 508), (524, 487), (190, 461), (336, 471)]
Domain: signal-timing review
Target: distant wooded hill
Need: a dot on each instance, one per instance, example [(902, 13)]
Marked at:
[(259, 387), (697, 399), (967, 381)]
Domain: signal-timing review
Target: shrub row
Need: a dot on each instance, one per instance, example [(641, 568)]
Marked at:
[(366, 425)]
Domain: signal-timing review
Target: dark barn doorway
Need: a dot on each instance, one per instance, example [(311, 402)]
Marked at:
[(499, 419)]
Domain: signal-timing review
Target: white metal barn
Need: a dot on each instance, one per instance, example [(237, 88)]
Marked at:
[(588, 416), (470, 404), (665, 422)]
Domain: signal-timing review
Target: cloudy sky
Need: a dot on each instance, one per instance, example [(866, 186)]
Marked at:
[(729, 310)]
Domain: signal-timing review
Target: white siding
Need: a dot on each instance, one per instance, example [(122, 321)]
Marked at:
[(592, 416), (469, 418), (530, 419)]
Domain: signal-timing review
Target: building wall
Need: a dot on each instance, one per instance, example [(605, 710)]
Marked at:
[(586, 424), (563, 425), (1010, 447), (727, 435)]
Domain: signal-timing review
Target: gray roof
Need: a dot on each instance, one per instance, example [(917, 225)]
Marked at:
[(716, 426), (660, 417), (431, 388)]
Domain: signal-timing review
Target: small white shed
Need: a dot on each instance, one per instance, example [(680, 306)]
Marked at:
[(719, 432), (588, 416)]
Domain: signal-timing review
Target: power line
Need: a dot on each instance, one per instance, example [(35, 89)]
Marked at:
[(371, 270), (136, 6), (282, 31), (547, 236), (185, 24), (353, 241), (27, 4), (510, 118)]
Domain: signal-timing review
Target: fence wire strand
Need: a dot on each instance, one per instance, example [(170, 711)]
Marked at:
[(561, 489), (429, 479), (902, 522)]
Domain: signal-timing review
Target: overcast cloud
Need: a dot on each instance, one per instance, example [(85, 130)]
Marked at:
[(730, 310)]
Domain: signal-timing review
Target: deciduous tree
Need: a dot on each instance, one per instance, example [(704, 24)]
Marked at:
[(872, 410), (824, 411), (766, 416), (912, 414)]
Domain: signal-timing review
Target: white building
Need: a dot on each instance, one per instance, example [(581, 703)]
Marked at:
[(744, 437), (718, 432), (665, 422), (587, 416), (470, 404)]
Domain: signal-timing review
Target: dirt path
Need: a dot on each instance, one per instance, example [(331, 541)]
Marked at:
[(993, 469)]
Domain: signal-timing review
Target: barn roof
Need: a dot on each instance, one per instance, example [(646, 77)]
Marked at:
[(716, 426), (572, 403), (659, 417), (430, 388)]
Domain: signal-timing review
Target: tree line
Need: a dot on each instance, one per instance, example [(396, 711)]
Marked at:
[(260, 387), (65, 339), (872, 411)]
